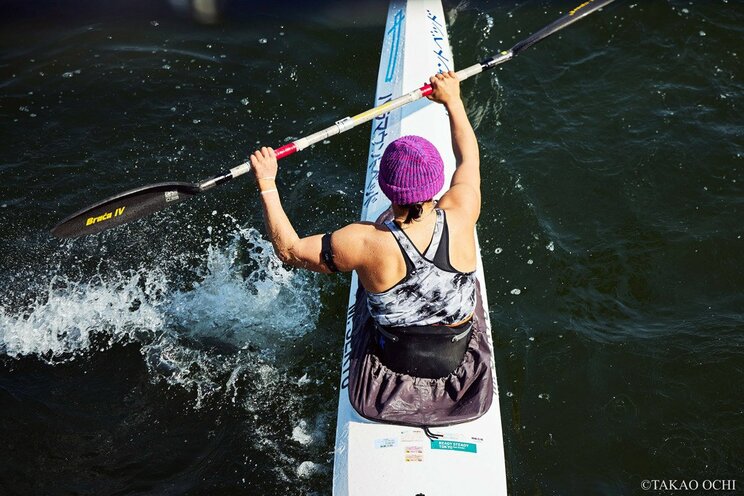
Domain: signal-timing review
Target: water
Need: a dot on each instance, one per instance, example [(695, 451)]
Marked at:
[(177, 356)]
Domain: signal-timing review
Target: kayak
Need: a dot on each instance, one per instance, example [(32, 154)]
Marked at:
[(388, 449)]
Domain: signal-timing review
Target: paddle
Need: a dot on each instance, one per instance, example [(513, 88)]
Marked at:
[(137, 203)]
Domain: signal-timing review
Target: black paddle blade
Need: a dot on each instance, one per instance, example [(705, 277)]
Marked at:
[(123, 208)]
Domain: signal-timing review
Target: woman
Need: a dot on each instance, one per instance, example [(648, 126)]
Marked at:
[(418, 269)]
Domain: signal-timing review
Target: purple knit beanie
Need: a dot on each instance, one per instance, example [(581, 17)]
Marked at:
[(411, 170)]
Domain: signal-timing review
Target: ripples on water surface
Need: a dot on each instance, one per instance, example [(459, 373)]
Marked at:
[(176, 355)]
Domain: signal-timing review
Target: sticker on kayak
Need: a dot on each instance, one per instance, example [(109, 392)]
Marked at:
[(412, 435), (443, 444), (414, 453), (386, 442)]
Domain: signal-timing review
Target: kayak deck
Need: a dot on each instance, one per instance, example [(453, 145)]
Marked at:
[(376, 458)]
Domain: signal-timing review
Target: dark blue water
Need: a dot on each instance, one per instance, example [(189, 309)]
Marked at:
[(177, 356)]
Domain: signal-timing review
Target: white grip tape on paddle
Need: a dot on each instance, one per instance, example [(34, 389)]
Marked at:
[(303, 143), (241, 169), (344, 124), (463, 74)]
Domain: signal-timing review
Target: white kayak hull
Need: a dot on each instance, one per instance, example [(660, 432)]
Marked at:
[(374, 458)]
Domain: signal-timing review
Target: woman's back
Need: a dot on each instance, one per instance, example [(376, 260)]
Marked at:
[(385, 262), (431, 291)]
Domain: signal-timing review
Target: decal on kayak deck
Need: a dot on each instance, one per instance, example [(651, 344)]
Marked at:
[(377, 144), (386, 442), (414, 453), (346, 362), (395, 32), (438, 37), (412, 436), (443, 444)]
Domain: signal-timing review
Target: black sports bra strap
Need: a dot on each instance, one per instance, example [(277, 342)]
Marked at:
[(442, 257)]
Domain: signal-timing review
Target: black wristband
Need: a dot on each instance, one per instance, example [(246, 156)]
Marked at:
[(326, 253)]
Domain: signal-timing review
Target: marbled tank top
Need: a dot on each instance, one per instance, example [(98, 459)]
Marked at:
[(432, 291)]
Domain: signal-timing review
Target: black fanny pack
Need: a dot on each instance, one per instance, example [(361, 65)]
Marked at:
[(423, 351)]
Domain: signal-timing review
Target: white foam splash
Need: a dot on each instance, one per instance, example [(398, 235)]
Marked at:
[(237, 308), (194, 337), (301, 433), (307, 469), (61, 322)]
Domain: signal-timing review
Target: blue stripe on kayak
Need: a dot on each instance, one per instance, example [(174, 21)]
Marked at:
[(395, 31)]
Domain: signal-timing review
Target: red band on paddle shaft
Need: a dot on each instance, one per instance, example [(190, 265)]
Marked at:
[(426, 90), (286, 150)]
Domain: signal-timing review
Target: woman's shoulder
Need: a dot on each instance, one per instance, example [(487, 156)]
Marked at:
[(462, 202), (359, 245), (356, 236)]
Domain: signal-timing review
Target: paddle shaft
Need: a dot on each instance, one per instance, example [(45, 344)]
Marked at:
[(137, 203), (347, 123)]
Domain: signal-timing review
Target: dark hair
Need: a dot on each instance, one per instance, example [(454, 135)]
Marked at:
[(414, 211)]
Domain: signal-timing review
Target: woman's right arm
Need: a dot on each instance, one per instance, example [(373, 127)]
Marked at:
[(464, 193)]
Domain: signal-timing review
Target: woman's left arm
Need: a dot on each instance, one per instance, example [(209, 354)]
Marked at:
[(290, 248)]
